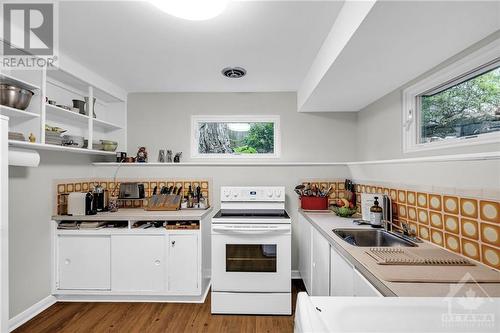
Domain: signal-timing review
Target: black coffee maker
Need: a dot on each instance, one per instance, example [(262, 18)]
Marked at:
[(90, 204)]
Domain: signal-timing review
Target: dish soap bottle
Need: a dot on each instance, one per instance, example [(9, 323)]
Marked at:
[(376, 214)]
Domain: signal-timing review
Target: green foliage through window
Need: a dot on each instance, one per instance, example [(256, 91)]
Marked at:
[(236, 138), (468, 108)]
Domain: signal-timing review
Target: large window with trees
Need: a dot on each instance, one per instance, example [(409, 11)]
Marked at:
[(457, 106), (235, 136)]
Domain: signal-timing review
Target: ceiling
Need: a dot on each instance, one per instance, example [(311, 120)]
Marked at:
[(142, 49), (396, 42)]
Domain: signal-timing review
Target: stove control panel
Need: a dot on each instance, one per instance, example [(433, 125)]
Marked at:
[(252, 193)]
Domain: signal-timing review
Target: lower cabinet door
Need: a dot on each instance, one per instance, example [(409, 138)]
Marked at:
[(83, 262), (183, 263), (138, 262), (341, 275), (320, 265), (363, 287)]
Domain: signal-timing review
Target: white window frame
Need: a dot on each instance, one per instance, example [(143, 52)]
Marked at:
[(195, 120), (410, 114)]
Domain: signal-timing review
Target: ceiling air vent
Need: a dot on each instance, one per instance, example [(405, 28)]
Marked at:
[(234, 72)]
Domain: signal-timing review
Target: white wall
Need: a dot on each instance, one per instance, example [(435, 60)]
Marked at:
[(379, 133), (31, 195), (163, 120), (305, 137)]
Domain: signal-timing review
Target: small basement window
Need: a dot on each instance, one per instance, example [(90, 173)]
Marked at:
[(235, 136), (457, 106)]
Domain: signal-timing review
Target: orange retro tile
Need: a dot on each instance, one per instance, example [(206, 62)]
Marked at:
[(413, 227), (340, 186), (450, 204), (490, 234), (451, 224), (85, 187), (422, 200), (411, 198), (78, 187), (452, 242), (470, 249), (469, 228), (490, 211), (61, 188), (422, 216), (402, 213), (380, 190), (401, 196), (491, 256), (469, 208), (423, 232), (437, 237), (435, 202), (386, 191), (70, 187), (394, 195), (436, 220), (412, 213)]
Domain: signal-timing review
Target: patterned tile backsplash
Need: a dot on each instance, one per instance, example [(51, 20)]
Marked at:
[(64, 188), (465, 225)]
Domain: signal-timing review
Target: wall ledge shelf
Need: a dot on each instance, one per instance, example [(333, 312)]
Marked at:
[(4, 78), (429, 159), (43, 146), (105, 125), (56, 113), (16, 114)]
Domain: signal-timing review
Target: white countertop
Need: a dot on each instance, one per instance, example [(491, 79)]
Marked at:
[(139, 214), (326, 222)]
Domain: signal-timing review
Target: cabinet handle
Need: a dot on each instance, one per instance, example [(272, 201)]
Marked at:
[(173, 243), (157, 262), (67, 261)]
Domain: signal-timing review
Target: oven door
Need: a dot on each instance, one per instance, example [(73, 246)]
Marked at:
[(251, 258)]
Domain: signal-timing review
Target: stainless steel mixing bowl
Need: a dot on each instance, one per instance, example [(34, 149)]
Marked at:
[(15, 97)]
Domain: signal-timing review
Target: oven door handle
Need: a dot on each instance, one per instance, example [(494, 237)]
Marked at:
[(250, 230)]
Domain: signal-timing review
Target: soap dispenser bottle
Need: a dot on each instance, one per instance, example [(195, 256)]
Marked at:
[(376, 214)]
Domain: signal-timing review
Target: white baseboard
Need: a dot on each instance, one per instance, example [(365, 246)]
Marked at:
[(31, 312), (295, 274)]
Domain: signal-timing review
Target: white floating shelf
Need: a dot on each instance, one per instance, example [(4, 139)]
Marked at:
[(105, 125), (221, 164), (4, 78), (428, 159), (16, 114), (57, 113), (40, 146)]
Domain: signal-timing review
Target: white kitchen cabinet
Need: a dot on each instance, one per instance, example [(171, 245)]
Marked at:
[(320, 265), (183, 263), (84, 262), (345, 280), (341, 275), (138, 262), (305, 252), (363, 287)]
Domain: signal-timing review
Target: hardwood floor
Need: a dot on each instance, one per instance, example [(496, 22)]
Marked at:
[(152, 317)]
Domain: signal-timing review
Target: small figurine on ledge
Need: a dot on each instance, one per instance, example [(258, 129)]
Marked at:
[(177, 157), (142, 155)]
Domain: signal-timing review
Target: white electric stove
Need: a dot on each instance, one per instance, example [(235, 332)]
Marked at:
[(251, 252)]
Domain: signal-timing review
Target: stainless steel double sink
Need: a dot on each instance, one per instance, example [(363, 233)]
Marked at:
[(372, 238)]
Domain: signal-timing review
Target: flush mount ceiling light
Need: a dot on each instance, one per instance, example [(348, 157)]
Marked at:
[(195, 10), (234, 72)]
